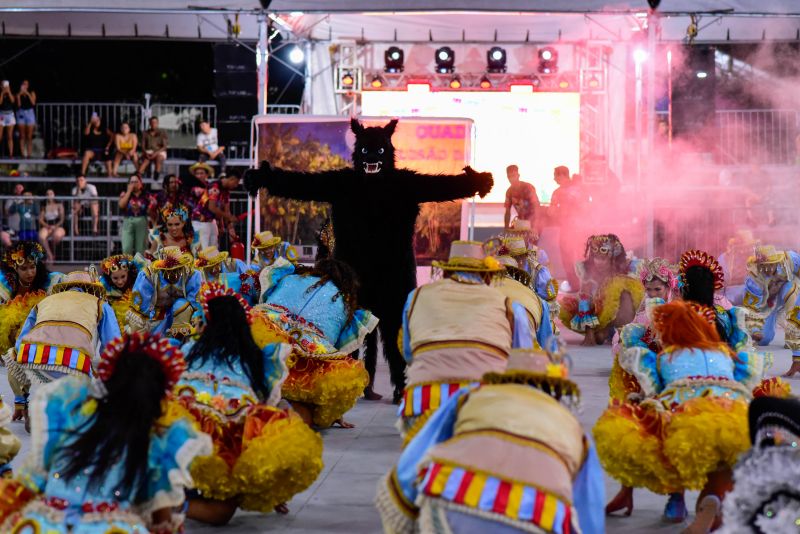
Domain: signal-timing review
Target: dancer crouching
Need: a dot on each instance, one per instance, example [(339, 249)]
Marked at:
[(262, 455), (107, 456)]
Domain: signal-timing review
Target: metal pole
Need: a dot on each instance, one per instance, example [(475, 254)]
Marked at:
[(308, 93), (653, 28), (262, 58)]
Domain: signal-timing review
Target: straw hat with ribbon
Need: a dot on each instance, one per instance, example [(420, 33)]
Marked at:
[(202, 165), (548, 371), (171, 258), (468, 256), (264, 240), (210, 257), (86, 281)]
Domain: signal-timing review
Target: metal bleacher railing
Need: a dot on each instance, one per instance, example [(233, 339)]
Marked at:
[(85, 246)]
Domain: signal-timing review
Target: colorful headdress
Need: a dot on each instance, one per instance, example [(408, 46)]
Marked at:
[(469, 256), (156, 347), (543, 369), (86, 281), (658, 269), (522, 228), (170, 258), (698, 258), (213, 290), (209, 257), (179, 211), (265, 240), (115, 263), (22, 252), (605, 245), (766, 255)]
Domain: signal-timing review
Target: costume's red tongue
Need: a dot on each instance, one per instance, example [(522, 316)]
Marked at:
[(372, 168)]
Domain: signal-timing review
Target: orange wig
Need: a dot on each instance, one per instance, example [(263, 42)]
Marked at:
[(680, 325)]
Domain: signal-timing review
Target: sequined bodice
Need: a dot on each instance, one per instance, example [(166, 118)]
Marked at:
[(684, 363), (320, 305), (212, 380)]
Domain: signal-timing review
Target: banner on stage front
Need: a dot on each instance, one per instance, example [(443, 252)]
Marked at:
[(313, 143)]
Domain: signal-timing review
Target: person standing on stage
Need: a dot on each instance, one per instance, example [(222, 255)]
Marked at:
[(522, 196)]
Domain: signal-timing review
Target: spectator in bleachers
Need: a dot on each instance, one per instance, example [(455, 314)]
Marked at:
[(154, 148), (87, 195), (97, 141), (133, 208), (13, 218), (7, 118), (208, 146), (126, 144), (28, 212), (26, 118), (51, 225)]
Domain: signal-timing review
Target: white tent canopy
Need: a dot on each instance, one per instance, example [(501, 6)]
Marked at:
[(405, 21)]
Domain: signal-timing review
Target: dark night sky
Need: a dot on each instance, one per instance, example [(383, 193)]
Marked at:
[(118, 71)]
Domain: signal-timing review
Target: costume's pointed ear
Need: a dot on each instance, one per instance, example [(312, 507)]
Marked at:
[(389, 128), (356, 126)]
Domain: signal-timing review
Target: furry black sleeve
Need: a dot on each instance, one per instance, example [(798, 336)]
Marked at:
[(317, 186), (444, 187)]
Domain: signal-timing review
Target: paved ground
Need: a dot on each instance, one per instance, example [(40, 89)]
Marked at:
[(341, 499)]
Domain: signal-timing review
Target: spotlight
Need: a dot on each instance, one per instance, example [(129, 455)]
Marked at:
[(496, 59), (348, 80), (377, 82), (296, 56), (485, 83), (702, 74), (455, 83), (563, 83), (548, 60), (393, 59), (594, 82), (639, 55), (445, 60)]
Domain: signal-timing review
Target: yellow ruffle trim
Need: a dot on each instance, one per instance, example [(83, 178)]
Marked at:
[(773, 387), (13, 315), (620, 382), (285, 459), (708, 433), (607, 299), (121, 307), (630, 455), (331, 386)]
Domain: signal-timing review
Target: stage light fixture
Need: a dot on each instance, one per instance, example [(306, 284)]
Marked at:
[(639, 56), (348, 80), (702, 74), (455, 83), (377, 82), (445, 60), (563, 83), (496, 59), (393, 58), (548, 60), (485, 83), (296, 55), (594, 82)]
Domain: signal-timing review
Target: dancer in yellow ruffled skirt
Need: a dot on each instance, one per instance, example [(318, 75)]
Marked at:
[(691, 424)]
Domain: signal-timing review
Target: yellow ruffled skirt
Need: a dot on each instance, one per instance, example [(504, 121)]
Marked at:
[(13, 314), (671, 450), (264, 459), (621, 383), (330, 385), (606, 302)]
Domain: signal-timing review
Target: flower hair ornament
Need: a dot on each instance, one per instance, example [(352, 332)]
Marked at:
[(658, 269), (213, 290), (698, 258), (154, 346), (23, 251), (115, 263), (175, 211)]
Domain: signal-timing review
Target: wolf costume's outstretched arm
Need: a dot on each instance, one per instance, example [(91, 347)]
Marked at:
[(320, 186), (444, 187)]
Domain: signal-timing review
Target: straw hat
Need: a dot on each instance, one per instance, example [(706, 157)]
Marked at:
[(171, 258), (210, 257), (545, 370), (115, 263), (468, 256), (87, 281), (766, 254), (202, 165), (265, 240)]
